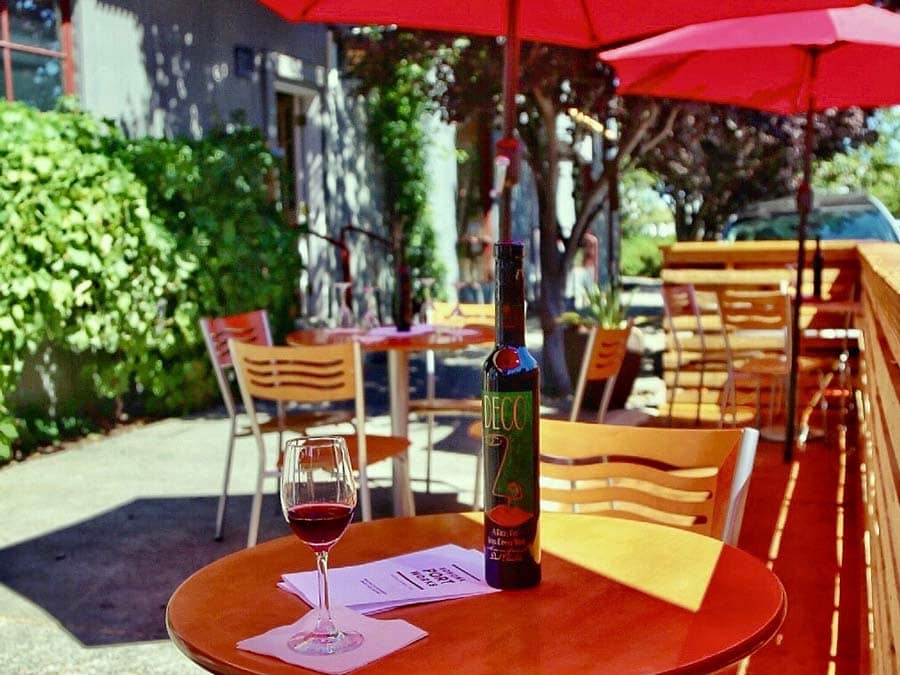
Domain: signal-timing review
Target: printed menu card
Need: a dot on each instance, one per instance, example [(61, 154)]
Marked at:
[(439, 573)]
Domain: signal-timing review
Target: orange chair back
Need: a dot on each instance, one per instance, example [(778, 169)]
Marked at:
[(602, 360), (305, 374), (679, 477), (252, 327)]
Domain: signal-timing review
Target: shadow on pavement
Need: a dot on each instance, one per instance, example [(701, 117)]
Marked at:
[(107, 580)]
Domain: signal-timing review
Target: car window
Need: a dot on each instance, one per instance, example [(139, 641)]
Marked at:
[(837, 222)]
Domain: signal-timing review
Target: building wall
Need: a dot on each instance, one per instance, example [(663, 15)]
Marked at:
[(168, 66)]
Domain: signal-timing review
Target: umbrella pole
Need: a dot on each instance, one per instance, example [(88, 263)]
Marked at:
[(508, 145), (804, 204)]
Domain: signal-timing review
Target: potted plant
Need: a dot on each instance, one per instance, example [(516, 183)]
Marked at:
[(606, 307)]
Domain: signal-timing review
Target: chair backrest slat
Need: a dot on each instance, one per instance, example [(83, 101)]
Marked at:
[(602, 360), (681, 477), (463, 314), (761, 313), (305, 374), (250, 327), (682, 314)]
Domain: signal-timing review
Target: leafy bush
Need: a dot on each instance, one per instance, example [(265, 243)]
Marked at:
[(606, 307), (213, 196), (82, 263), (113, 249), (642, 256)]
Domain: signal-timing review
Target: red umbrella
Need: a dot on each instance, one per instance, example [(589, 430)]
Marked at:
[(575, 23), (790, 63)]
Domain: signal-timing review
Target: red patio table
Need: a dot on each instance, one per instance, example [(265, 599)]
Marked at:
[(578, 619)]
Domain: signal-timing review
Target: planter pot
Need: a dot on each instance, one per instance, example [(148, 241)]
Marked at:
[(575, 344)]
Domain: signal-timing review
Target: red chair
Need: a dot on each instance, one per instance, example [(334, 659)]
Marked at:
[(251, 327)]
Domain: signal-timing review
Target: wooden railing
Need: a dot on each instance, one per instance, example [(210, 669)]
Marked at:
[(871, 273), (880, 434)]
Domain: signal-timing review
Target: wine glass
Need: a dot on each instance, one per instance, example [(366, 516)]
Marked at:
[(370, 317), (318, 495), (427, 303), (345, 314)]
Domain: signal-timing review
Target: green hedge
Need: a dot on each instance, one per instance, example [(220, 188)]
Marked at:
[(642, 256), (112, 249)]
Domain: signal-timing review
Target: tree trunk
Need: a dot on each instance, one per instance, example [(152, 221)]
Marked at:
[(553, 261), (556, 380)]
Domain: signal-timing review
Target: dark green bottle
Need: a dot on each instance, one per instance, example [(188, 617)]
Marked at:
[(511, 439)]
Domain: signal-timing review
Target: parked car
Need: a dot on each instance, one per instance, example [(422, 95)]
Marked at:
[(847, 216)]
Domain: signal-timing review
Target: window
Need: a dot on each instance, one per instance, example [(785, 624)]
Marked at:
[(36, 51)]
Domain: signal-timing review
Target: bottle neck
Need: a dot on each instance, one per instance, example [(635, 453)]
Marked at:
[(510, 298)]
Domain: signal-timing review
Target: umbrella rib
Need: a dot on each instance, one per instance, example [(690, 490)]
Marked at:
[(309, 7), (595, 36)]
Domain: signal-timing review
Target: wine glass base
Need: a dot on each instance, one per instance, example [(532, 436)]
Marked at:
[(322, 644)]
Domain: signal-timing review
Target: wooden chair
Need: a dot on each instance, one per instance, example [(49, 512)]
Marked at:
[(602, 360), (310, 374), (450, 316), (687, 337), (695, 479), (251, 327), (750, 317)]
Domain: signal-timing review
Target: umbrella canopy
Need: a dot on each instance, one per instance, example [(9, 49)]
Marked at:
[(783, 63), (574, 23), (796, 62)]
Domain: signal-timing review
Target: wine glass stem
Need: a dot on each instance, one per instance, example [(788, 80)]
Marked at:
[(324, 622)]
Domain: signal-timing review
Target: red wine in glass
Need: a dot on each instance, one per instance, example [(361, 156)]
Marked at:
[(319, 525), (318, 495)]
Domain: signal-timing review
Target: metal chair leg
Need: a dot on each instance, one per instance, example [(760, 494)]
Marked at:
[(256, 506), (671, 394), (223, 497), (429, 440)]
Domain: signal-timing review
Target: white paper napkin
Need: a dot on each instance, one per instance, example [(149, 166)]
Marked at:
[(380, 638)]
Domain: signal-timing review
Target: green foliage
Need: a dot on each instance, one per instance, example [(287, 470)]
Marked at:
[(113, 249), (874, 169), (82, 263), (214, 196), (716, 159), (642, 255), (642, 206), (397, 102), (606, 308)]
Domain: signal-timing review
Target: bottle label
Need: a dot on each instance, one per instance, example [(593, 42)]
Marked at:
[(512, 504)]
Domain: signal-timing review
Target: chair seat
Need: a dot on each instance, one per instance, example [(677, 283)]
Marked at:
[(455, 405), (377, 447), (301, 420)]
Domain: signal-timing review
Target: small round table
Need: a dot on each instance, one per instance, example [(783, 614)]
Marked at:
[(576, 620), (398, 345)]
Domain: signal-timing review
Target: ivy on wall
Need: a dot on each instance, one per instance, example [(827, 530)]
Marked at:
[(396, 108)]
